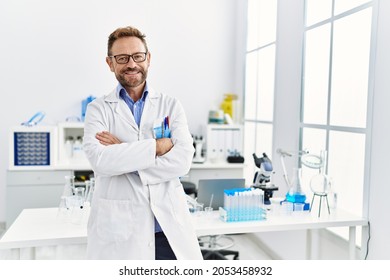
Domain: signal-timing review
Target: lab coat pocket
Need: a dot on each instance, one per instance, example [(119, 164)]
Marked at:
[(114, 220)]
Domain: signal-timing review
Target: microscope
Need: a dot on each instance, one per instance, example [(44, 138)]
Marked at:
[(198, 144), (263, 177)]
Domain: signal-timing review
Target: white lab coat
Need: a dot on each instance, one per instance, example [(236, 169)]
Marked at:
[(121, 223)]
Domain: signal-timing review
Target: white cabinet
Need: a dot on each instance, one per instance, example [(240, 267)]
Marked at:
[(223, 141), (33, 189)]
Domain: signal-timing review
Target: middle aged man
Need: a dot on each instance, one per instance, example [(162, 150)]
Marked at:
[(138, 143)]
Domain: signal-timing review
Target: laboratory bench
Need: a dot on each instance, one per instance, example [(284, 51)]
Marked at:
[(35, 229), (40, 187)]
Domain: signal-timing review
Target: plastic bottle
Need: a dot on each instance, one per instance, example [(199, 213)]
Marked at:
[(69, 147), (78, 148)]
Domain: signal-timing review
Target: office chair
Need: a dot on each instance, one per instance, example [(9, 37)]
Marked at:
[(189, 188), (210, 191), (214, 247)]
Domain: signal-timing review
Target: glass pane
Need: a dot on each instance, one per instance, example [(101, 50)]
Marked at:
[(250, 86), (346, 167), (261, 23), (316, 77), (249, 147), (343, 5), (252, 25), (263, 140), (265, 83), (317, 10), (313, 140), (350, 67), (267, 21)]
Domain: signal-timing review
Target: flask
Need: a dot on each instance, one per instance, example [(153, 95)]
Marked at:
[(64, 209), (295, 193)]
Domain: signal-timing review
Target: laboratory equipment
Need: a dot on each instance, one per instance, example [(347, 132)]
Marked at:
[(320, 184), (295, 194), (84, 104), (77, 148), (235, 157), (32, 146), (216, 116), (243, 204), (34, 120), (262, 177), (198, 143), (70, 149), (64, 208), (89, 190)]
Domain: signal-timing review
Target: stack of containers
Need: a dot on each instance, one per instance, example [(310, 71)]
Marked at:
[(243, 204)]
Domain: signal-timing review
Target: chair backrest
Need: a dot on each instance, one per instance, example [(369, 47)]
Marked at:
[(208, 188)]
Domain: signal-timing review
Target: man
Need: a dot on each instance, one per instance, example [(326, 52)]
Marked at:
[(138, 143)]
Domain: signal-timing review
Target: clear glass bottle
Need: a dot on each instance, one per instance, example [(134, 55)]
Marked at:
[(69, 186)]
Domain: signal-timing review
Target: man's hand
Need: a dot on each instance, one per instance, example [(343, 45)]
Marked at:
[(106, 138), (163, 146)]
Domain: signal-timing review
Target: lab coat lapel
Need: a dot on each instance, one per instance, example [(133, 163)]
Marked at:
[(121, 108), (149, 107)]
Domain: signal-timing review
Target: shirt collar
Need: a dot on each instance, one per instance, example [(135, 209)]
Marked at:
[(121, 91)]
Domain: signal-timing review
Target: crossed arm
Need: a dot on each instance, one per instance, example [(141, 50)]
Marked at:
[(163, 145)]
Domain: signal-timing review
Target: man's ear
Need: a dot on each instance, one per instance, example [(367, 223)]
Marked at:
[(148, 56), (110, 64)]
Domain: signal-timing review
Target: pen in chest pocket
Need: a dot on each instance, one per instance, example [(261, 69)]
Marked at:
[(161, 128)]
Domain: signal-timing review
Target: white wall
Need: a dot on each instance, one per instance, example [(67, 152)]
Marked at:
[(52, 55)]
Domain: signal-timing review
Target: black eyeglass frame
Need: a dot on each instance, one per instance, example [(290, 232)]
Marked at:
[(128, 57)]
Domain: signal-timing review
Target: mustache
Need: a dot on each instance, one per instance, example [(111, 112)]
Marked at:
[(131, 69)]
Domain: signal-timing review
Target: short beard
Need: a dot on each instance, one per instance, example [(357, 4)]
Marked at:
[(133, 83)]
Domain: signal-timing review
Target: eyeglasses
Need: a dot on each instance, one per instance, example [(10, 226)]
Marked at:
[(124, 58)]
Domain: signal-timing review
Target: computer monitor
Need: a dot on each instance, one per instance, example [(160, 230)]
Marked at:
[(208, 188)]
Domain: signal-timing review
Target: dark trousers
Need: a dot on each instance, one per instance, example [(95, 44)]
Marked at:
[(163, 249)]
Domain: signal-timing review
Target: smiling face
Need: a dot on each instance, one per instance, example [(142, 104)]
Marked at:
[(132, 75)]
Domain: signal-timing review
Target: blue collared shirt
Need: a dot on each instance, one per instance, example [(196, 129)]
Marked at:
[(137, 109)]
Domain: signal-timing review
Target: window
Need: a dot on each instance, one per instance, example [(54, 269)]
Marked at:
[(336, 93), (259, 82)]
